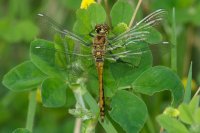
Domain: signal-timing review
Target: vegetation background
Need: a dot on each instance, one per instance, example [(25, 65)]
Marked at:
[(19, 26)]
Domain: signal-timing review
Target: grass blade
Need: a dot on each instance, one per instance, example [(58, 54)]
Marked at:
[(174, 43), (188, 89)]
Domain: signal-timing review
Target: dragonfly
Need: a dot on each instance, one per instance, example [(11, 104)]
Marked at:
[(104, 47)]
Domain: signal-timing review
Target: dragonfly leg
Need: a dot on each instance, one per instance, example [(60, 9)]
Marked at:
[(128, 63), (91, 34)]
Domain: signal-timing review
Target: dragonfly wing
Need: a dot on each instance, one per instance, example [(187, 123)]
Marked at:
[(139, 32), (56, 56), (130, 54), (46, 20)]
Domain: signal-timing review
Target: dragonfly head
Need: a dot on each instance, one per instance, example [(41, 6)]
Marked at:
[(102, 29)]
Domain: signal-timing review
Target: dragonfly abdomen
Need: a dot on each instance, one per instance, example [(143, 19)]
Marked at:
[(99, 48)]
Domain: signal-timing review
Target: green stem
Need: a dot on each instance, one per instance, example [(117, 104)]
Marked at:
[(108, 13), (150, 126), (174, 43), (31, 110)]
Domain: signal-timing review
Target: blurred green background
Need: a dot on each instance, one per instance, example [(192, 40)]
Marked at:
[(19, 26)]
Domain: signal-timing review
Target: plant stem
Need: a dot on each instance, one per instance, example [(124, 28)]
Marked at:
[(150, 126), (174, 43), (197, 92), (77, 125), (135, 12), (108, 12), (188, 89), (79, 99), (107, 125), (31, 110), (99, 1)]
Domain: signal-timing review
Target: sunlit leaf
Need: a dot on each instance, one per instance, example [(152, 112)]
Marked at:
[(121, 12), (172, 125)]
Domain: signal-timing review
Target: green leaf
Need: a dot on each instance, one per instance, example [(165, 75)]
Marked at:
[(72, 4), (154, 37), (83, 22), (128, 111), (172, 125), (21, 130), (158, 79), (194, 103), (43, 55), (187, 95), (97, 14), (87, 19), (53, 92), (197, 116), (121, 12), (187, 112), (23, 77)]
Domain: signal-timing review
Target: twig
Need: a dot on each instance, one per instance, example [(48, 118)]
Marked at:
[(77, 126), (108, 12), (99, 1), (135, 12), (197, 92), (79, 100)]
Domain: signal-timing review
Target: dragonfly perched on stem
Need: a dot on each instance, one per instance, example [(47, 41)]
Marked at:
[(120, 48)]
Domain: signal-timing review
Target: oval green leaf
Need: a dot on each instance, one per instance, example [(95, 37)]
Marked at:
[(128, 111), (97, 14), (87, 19), (82, 25), (121, 12), (154, 37), (158, 79), (53, 92), (23, 77)]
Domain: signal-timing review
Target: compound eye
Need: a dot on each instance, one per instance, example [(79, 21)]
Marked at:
[(98, 29)]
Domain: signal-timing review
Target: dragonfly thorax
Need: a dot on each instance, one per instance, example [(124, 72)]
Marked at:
[(99, 47), (102, 29)]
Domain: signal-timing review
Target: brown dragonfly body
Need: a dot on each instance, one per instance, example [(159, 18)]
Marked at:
[(98, 50), (103, 46)]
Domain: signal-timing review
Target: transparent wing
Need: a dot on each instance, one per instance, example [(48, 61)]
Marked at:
[(52, 24), (66, 49), (139, 32)]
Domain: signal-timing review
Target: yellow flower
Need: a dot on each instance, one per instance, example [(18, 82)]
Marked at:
[(38, 96), (86, 3), (194, 85)]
